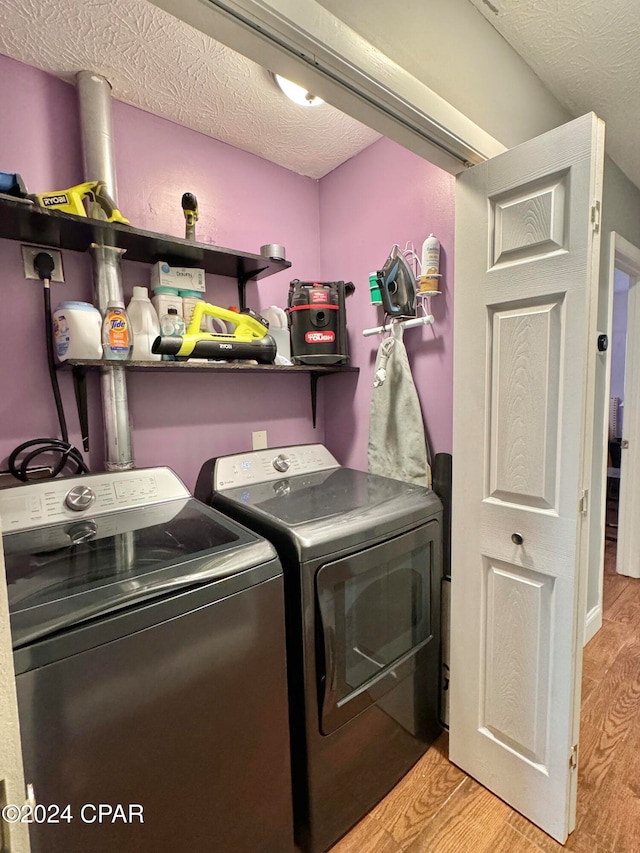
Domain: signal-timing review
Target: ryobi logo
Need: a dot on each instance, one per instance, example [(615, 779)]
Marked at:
[(226, 346), (51, 200), (320, 337)]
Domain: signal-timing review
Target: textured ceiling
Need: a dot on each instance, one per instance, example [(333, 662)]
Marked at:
[(165, 67), (587, 54)]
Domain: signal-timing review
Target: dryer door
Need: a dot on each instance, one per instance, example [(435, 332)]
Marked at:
[(379, 616)]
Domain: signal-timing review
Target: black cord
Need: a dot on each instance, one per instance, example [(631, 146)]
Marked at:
[(53, 376), (69, 455)]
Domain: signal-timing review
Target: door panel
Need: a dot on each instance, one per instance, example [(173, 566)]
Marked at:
[(524, 357), (516, 675), (527, 348), (530, 221)]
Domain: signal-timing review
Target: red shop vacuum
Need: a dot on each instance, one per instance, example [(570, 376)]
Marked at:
[(318, 321)]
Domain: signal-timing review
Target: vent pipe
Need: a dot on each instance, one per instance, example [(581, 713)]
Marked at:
[(94, 94)]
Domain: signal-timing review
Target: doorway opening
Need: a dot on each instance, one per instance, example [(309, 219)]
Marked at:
[(619, 326), (622, 492)]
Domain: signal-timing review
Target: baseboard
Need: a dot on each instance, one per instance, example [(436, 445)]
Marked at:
[(593, 623)]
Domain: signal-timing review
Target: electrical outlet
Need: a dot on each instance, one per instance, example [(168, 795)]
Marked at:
[(259, 439), (28, 256)]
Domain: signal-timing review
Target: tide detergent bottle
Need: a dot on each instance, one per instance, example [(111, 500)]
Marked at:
[(116, 333)]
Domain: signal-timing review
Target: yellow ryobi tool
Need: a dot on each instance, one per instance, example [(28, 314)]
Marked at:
[(249, 340), (72, 200)]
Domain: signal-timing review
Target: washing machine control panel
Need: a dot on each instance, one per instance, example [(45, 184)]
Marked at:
[(79, 498), (282, 463), (262, 466), (50, 501)]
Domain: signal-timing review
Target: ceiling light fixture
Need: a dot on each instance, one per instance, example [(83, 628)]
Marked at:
[(298, 94)]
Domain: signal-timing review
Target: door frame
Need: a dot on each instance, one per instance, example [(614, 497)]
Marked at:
[(310, 44), (626, 257)]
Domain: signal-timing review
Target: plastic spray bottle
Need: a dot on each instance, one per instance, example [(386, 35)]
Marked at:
[(429, 278), (171, 325)]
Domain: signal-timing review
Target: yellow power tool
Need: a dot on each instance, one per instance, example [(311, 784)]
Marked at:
[(249, 340), (72, 200)]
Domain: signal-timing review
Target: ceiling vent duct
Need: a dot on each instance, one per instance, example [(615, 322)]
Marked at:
[(94, 95)]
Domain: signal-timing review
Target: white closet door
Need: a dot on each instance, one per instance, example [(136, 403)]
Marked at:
[(527, 246)]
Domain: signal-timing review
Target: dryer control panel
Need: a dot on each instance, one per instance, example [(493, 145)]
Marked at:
[(51, 501), (262, 466)]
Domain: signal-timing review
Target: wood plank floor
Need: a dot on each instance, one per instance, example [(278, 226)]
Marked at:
[(438, 809)]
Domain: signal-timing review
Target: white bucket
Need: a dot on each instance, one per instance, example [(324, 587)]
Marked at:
[(77, 331)]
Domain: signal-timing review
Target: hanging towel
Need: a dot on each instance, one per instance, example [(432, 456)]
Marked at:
[(397, 444)]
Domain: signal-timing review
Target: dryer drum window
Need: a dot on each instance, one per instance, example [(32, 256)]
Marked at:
[(375, 610)]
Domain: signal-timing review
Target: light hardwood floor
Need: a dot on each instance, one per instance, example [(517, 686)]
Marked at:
[(438, 809)]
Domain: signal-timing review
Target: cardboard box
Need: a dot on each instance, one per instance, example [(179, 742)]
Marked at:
[(181, 278)]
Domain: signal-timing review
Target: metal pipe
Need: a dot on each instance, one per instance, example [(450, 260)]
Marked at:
[(94, 96), (107, 275), (115, 413)]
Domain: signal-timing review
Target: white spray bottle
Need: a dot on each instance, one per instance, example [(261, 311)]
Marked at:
[(430, 265)]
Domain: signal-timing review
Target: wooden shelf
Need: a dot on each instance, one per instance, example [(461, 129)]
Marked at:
[(313, 371), (216, 367), (31, 224)]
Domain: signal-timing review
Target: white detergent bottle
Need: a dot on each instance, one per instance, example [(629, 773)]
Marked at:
[(145, 325)]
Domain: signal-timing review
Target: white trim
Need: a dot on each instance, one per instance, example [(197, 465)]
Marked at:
[(626, 257), (598, 508), (307, 42), (587, 457), (593, 623)]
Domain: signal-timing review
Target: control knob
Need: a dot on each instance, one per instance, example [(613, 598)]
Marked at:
[(282, 463), (82, 531), (79, 498)]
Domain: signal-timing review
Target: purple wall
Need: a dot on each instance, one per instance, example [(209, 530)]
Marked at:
[(40, 127), (383, 196), (178, 420), (341, 227), (41, 140)]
